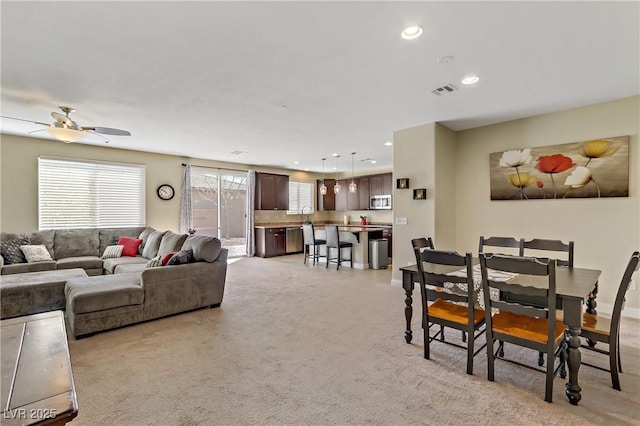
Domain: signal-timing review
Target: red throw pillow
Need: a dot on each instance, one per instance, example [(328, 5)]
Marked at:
[(130, 246), (166, 258)]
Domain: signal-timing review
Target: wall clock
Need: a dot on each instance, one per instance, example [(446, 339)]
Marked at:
[(166, 192)]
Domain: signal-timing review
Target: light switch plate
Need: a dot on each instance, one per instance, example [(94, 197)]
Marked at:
[(401, 220)]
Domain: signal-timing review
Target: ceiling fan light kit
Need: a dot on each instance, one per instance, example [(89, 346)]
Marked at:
[(66, 134)]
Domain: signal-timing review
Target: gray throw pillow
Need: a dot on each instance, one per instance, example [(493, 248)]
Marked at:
[(205, 248), (11, 252), (181, 257), (144, 235), (152, 244), (171, 242)]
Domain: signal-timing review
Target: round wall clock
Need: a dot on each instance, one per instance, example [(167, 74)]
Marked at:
[(166, 192)]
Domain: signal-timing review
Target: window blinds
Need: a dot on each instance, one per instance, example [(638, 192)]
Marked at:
[(90, 194), (300, 195)]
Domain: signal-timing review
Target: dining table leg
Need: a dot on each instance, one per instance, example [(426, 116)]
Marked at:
[(408, 285), (573, 321), (591, 309)]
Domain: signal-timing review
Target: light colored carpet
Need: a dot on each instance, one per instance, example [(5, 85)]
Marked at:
[(302, 345)]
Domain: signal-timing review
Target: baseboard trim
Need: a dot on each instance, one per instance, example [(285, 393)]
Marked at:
[(396, 282)]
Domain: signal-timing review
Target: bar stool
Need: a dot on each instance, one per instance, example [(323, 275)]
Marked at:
[(310, 239), (333, 241)]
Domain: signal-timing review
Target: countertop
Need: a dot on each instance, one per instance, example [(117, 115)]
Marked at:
[(353, 227)]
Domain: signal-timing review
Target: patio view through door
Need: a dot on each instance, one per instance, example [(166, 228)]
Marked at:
[(219, 206)]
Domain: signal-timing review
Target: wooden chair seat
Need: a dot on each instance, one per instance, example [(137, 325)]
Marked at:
[(596, 324), (524, 327), (455, 313)]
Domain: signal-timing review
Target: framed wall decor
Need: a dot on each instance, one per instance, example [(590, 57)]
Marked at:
[(402, 183), (420, 194), (595, 168)]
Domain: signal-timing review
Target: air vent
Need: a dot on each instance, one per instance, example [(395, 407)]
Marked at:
[(236, 152), (447, 88)]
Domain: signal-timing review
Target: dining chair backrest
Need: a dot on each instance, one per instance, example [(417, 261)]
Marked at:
[(550, 245), (632, 266), (423, 243), (308, 234), (503, 242), (333, 236)]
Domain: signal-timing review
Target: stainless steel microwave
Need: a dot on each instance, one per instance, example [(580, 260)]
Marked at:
[(380, 202)]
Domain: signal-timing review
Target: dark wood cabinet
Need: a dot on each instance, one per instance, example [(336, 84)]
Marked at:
[(363, 193), (341, 197), (271, 242), (387, 184), (381, 184), (353, 198), (272, 192), (388, 234), (326, 202)]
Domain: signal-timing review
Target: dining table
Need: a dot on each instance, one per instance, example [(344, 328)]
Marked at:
[(574, 286)]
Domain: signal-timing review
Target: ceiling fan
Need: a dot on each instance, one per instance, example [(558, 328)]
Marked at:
[(67, 130)]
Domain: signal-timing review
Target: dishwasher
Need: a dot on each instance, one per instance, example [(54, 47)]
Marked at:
[(294, 240)]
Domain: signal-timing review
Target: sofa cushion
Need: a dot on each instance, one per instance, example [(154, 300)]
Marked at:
[(109, 265), (165, 259), (76, 242), (131, 246), (205, 248), (21, 268), (181, 258), (11, 252), (153, 244), (109, 236), (130, 267), (103, 292), (45, 238), (36, 253), (144, 235), (112, 251), (171, 242), (84, 262)]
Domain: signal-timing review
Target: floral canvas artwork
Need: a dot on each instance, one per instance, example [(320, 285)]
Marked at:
[(595, 168)]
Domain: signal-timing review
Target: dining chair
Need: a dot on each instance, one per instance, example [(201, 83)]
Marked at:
[(502, 242), (333, 241), (310, 240), (522, 324), (448, 309), (607, 330)]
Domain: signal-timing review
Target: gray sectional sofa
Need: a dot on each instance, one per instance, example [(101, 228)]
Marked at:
[(100, 294)]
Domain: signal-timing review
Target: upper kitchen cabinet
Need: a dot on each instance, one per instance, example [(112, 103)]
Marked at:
[(272, 191), (326, 202), (363, 193), (381, 184), (341, 197)]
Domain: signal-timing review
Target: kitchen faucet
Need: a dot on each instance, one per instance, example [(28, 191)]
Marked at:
[(307, 215)]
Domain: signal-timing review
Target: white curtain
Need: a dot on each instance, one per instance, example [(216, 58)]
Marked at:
[(251, 185), (186, 217)]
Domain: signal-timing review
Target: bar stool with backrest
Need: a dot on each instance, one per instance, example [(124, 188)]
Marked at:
[(448, 309), (605, 330), (520, 323), (310, 240), (333, 241)]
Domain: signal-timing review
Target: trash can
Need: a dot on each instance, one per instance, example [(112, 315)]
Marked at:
[(378, 254)]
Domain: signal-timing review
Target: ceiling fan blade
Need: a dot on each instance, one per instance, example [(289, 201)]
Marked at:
[(28, 121), (107, 131)]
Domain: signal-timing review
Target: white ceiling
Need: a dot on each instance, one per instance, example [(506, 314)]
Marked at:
[(298, 81)]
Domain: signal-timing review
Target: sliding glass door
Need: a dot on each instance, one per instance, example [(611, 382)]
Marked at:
[(219, 204)]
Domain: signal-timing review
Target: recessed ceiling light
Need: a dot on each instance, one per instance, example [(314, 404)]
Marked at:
[(388, 143), (335, 154), (306, 170), (374, 162), (296, 162), (471, 79), (411, 33)]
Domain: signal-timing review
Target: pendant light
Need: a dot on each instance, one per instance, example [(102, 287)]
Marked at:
[(352, 186), (323, 187), (337, 187)]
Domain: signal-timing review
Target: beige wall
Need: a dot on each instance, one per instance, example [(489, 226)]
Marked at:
[(606, 231)]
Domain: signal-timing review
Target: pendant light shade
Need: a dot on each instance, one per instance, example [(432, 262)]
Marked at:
[(337, 187), (352, 186), (323, 187)]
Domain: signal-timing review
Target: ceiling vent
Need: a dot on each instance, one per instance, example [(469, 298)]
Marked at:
[(447, 88), (236, 152)]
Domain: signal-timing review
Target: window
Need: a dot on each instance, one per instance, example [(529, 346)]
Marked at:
[(90, 194), (300, 196)]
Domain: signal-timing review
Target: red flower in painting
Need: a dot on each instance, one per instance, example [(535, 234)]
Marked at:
[(555, 163), (540, 184)]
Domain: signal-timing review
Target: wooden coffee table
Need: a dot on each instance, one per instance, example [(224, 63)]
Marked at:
[(37, 381)]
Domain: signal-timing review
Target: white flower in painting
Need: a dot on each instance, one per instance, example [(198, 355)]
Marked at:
[(579, 177), (515, 158)]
